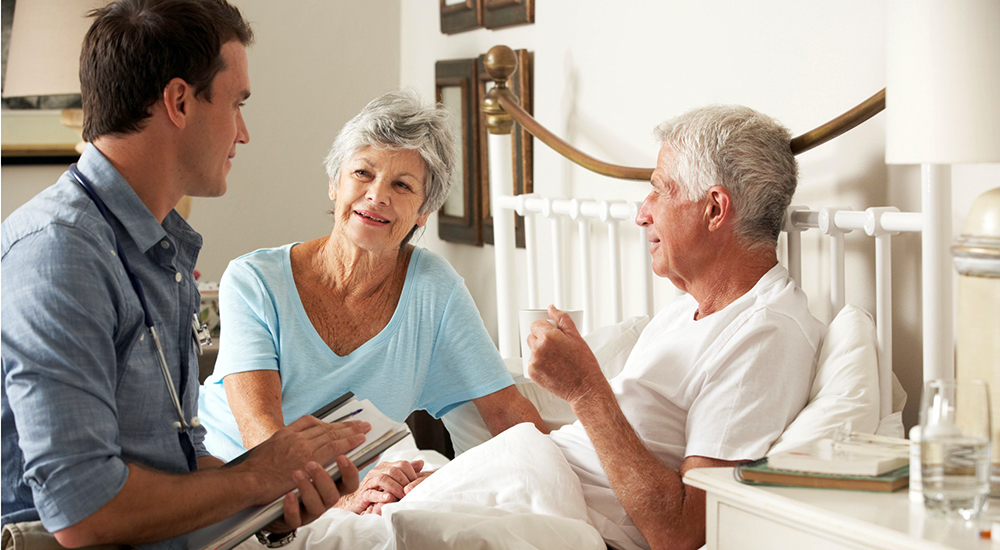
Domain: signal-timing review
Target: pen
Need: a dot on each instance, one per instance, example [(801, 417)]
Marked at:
[(346, 416)]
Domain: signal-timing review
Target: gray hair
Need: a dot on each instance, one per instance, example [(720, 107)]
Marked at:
[(399, 121), (745, 152)]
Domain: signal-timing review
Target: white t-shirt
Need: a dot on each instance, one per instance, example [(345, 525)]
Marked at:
[(722, 387)]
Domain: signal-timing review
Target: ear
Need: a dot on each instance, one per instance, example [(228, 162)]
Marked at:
[(718, 207), (178, 98), (333, 190), (423, 219)]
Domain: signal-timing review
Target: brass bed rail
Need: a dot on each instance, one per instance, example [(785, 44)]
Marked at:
[(501, 108)]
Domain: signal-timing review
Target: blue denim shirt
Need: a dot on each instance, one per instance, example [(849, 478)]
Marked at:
[(82, 391)]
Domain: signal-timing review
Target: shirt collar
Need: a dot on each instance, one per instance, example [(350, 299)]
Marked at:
[(121, 200)]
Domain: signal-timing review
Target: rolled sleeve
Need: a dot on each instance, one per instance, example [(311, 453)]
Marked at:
[(60, 361), (246, 317)]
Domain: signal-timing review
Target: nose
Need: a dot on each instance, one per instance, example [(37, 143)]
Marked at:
[(242, 133), (642, 217), (378, 191)]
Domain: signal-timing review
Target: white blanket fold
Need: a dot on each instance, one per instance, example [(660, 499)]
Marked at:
[(515, 491)]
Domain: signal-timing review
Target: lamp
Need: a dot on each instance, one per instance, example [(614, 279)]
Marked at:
[(942, 107), (44, 57), (44, 54)]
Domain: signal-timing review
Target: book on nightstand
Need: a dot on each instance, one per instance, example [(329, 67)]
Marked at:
[(831, 457), (759, 472)]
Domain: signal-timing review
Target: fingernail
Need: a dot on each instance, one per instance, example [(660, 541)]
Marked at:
[(313, 466), (298, 475)]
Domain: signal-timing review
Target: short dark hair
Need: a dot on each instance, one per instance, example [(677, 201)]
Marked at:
[(135, 47)]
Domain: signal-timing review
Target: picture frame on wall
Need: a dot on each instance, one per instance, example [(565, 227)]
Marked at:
[(37, 136), (521, 86), (460, 15), (460, 218), (498, 14)]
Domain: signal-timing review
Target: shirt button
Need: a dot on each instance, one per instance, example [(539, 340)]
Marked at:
[(178, 277), (164, 243)]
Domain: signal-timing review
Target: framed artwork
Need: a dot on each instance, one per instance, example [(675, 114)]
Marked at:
[(461, 15), (520, 85), (459, 219), (34, 136), (498, 14)]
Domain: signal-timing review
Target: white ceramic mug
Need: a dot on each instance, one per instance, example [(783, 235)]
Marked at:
[(528, 316)]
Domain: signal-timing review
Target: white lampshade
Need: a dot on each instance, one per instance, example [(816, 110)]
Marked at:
[(943, 82), (45, 41)]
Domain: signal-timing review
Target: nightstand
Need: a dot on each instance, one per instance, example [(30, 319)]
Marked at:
[(752, 516)]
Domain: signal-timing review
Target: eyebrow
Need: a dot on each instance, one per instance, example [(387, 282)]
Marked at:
[(370, 164)]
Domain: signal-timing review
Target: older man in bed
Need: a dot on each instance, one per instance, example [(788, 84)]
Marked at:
[(720, 372)]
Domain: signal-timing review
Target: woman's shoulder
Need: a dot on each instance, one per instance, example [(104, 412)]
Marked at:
[(432, 267), (264, 264)]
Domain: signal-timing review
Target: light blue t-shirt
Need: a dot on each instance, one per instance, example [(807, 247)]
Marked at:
[(434, 354)]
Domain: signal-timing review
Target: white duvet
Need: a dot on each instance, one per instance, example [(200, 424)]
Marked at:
[(514, 491)]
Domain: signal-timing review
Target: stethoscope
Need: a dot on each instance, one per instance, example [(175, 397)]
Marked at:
[(201, 335)]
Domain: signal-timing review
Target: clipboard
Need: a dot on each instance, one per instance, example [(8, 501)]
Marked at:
[(231, 531)]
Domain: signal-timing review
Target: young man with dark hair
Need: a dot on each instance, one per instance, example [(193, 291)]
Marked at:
[(94, 445)]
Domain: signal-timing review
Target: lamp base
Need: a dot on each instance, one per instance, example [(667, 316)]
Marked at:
[(73, 118)]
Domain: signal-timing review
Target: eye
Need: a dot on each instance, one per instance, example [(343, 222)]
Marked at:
[(404, 185), (362, 173)]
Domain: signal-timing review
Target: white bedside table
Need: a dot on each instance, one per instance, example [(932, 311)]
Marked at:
[(749, 517)]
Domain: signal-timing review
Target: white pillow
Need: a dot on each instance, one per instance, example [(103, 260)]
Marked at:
[(612, 343), (845, 388), (892, 423)]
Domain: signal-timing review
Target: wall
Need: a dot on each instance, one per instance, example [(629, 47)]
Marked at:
[(314, 65), (607, 73)]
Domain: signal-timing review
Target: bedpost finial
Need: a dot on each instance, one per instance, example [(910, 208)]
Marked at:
[(498, 121), (500, 63)]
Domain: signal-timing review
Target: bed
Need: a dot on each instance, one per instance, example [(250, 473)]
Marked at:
[(477, 501)]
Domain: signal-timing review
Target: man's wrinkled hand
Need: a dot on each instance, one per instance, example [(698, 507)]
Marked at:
[(561, 361)]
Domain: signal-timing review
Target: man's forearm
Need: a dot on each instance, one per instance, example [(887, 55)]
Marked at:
[(652, 494), (209, 462), (154, 506)]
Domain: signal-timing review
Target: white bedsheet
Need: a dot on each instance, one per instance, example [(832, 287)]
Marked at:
[(514, 491)]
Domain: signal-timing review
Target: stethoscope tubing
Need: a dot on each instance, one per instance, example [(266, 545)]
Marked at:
[(181, 424)]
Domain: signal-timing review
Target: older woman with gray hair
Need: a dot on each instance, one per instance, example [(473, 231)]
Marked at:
[(360, 309)]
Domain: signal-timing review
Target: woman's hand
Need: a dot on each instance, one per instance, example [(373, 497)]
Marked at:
[(386, 483)]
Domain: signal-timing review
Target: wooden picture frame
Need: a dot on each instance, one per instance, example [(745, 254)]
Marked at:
[(498, 14), (521, 85), (34, 136), (459, 218), (461, 15)]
